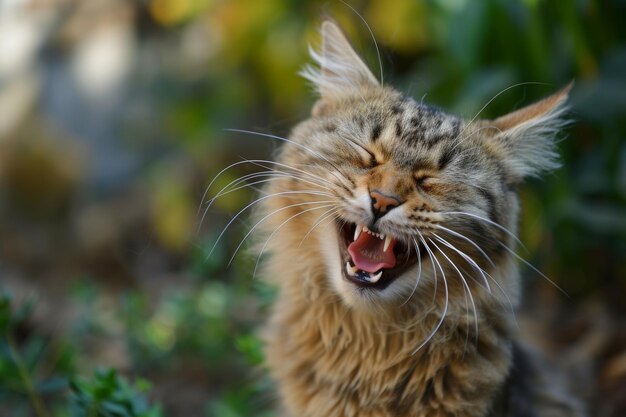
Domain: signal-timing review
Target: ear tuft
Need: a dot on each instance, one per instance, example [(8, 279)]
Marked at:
[(340, 70), (527, 136)]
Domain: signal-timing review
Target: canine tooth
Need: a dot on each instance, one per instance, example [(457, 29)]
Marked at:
[(375, 278), (387, 243), (350, 269), (357, 231)]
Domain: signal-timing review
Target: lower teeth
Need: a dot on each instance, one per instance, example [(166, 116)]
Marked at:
[(366, 276), (374, 278)]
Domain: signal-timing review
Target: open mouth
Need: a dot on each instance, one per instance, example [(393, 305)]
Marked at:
[(372, 259)]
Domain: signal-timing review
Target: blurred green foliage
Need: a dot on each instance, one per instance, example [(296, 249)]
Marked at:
[(31, 368), (108, 395), (40, 378), (100, 194)]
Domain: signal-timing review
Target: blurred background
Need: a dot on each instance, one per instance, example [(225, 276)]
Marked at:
[(112, 118)]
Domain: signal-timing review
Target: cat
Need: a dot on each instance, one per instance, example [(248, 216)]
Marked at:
[(390, 228)]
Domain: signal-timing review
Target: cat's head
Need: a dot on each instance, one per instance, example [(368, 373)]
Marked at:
[(414, 198)]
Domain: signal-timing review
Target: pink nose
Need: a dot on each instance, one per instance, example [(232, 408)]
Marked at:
[(382, 203)]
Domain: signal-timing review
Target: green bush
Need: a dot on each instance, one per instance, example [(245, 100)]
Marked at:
[(38, 378), (109, 395)]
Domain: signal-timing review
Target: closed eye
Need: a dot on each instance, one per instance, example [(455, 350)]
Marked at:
[(368, 159), (372, 161), (423, 181)]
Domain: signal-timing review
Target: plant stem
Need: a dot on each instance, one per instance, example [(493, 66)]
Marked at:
[(34, 397)]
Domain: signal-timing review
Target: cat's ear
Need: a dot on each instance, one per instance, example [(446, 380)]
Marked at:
[(527, 136), (340, 70)]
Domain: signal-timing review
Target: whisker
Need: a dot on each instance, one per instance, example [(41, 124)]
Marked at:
[(260, 162), (506, 296), (320, 220), (508, 232), (419, 273), (258, 200), (531, 266), (256, 265), (432, 257), (452, 232), (460, 139), (206, 191), (469, 292), (257, 162), (499, 226), (483, 273), (275, 176), (272, 214), (380, 62), (445, 309), (466, 258), (306, 148), (496, 96), (306, 179)]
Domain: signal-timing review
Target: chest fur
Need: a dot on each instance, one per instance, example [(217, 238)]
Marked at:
[(331, 361)]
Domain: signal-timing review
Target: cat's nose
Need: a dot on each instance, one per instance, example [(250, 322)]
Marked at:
[(382, 203)]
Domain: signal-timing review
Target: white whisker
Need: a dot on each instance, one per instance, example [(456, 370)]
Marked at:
[(419, 272), (496, 96), (531, 266), (274, 176), (272, 214), (466, 258), (280, 226), (299, 145), (320, 220), (484, 273), (457, 234), (499, 226), (260, 162), (445, 309), (257, 162), (258, 200), (380, 62), (469, 292)]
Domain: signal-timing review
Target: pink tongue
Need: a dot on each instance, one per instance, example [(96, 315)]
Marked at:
[(368, 255)]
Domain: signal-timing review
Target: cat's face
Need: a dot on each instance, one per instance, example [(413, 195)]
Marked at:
[(401, 173), (416, 197)]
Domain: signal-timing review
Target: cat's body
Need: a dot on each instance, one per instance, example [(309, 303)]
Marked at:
[(418, 320)]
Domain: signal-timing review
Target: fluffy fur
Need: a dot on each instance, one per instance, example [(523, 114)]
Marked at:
[(437, 339)]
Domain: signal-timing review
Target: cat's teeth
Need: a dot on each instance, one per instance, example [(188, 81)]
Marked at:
[(357, 231), (387, 243), (374, 279), (350, 269), (381, 236), (365, 229)]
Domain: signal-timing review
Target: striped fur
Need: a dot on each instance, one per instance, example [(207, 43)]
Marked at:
[(438, 340)]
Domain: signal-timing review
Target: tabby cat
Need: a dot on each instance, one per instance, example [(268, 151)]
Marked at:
[(390, 227)]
